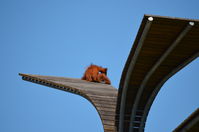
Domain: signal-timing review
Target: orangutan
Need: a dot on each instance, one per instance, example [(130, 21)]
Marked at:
[(96, 73)]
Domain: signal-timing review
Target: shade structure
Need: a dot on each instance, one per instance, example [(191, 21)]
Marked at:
[(102, 96), (163, 46)]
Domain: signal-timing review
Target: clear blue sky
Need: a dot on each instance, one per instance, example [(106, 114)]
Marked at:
[(61, 38)]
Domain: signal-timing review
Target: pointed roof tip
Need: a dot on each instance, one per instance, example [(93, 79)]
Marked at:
[(22, 74)]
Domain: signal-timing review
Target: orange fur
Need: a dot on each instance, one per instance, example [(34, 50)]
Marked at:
[(96, 73)]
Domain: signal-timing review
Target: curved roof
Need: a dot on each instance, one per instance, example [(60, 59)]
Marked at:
[(191, 124), (162, 47), (102, 96)]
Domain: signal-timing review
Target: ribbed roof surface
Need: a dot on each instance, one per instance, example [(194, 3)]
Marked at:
[(102, 96)]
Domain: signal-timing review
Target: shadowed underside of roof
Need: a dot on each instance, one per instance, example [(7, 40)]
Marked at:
[(102, 96), (191, 124), (162, 47)]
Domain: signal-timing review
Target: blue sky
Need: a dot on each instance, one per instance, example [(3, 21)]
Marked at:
[(63, 37)]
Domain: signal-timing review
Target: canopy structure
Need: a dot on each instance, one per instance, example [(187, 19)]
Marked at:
[(163, 46), (102, 96)]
